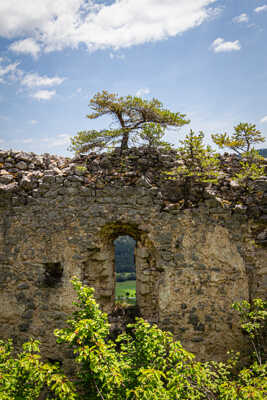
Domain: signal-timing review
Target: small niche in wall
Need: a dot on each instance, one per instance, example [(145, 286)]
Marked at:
[(52, 274)]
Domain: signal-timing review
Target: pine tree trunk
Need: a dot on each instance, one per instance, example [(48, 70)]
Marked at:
[(124, 142)]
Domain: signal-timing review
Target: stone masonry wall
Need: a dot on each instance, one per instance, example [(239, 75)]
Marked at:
[(199, 247)]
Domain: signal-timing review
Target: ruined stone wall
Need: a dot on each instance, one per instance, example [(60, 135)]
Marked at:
[(199, 248)]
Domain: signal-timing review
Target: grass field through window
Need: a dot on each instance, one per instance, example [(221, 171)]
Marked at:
[(126, 291), (124, 247)]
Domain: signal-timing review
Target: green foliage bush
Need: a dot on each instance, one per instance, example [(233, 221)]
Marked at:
[(254, 322), (146, 364), (26, 377), (201, 164), (199, 161), (242, 143)]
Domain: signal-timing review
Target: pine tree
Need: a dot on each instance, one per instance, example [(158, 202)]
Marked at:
[(199, 161), (242, 140), (136, 119), (242, 143)]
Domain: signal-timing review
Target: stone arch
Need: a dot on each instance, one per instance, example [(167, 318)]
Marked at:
[(99, 268)]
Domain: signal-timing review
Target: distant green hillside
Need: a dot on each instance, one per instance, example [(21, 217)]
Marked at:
[(263, 152), (124, 254)]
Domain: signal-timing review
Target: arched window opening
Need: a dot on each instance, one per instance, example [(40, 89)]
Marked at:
[(125, 269)]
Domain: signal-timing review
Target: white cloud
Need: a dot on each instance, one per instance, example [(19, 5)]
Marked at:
[(59, 140), (44, 94), (264, 120), (26, 46), (56, 24), (33, 122), (219, 45), (9, 72), (260, 9), (142, 92), (241, 18), (117, 55), (35, 80), (10, 68)]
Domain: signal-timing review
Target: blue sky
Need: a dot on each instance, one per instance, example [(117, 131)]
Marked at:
[(204, 58)]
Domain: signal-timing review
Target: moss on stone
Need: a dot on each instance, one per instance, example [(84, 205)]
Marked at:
[(112, 230)]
